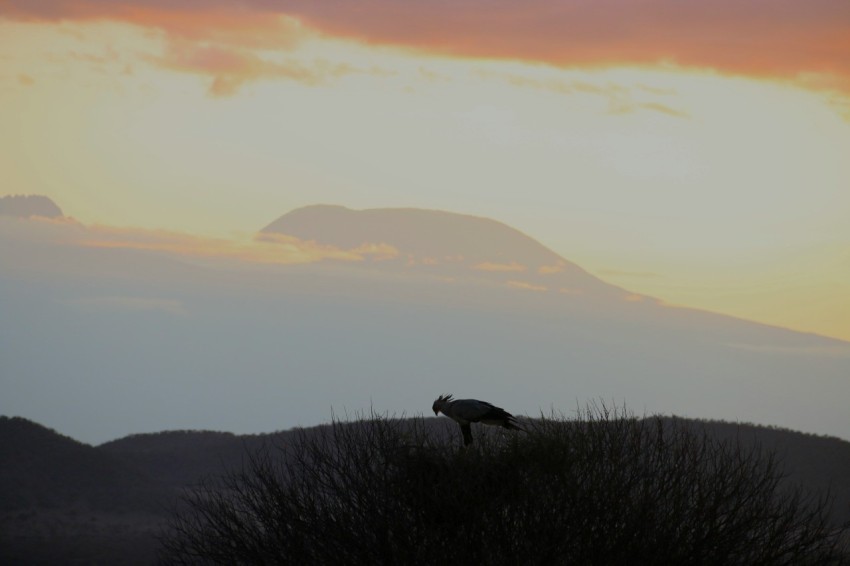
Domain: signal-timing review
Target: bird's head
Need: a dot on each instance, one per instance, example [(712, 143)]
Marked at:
[(440, 402)]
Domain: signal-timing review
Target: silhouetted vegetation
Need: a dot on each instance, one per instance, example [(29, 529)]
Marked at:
[(62, 501), (602, 489)]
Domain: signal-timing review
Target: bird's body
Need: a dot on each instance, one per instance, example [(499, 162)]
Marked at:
[(467, 411)]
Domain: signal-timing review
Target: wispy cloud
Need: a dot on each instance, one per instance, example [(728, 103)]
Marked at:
[(281, 250), (263, 248), (499, 267), (782, 39), (558, 267), (526, 286), (377, 252), (621, 106), (570, 291), (230, 67), (621, 98)]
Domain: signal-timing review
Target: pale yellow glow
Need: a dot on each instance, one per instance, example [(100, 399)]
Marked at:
[(805, 288), (733, 191)]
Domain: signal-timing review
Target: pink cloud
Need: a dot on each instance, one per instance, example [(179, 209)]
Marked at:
[(229, 67), (772, 38)]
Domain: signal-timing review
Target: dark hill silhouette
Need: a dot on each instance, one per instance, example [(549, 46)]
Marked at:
[(42, 468), (63, 500), (821, 463), (181, 457), (24, 206)]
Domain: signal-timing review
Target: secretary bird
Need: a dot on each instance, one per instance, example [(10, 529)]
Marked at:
[(467, 411)]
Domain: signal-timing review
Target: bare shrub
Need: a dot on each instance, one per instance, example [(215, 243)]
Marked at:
[(605, 488)]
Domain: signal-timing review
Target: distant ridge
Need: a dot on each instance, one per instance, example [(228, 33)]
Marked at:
[(39, 466), (25, 206)]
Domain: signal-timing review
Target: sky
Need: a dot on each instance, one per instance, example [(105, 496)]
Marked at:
[(692, 151)]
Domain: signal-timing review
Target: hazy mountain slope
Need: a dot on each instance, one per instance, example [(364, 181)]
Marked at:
[(104, 342)]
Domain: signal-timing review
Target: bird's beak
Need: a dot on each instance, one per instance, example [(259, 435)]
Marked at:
[(436, 412)]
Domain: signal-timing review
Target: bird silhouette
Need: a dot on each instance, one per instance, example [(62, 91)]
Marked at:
[(467, 411)]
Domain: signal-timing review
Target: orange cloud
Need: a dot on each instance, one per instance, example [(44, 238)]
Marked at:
[(267, 248), (787, 39), (526, 286), (558, 267), (243, 24), (278, 250), (781, 38), (499, 267), (624, 107)]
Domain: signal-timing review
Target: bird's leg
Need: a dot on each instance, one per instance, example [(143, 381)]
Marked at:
[(466, 429)]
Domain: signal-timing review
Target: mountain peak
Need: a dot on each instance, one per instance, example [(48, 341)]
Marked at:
[(413, 231), (434, 237), (25, 206)]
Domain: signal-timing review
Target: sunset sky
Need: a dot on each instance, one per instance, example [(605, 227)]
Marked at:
[(698, 152)]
